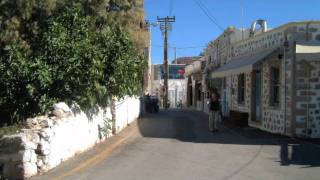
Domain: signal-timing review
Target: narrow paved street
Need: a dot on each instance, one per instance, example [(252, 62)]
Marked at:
[(176, 144)]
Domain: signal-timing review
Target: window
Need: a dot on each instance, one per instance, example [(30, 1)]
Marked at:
[(318, 37), (275, 86), (241, 88)]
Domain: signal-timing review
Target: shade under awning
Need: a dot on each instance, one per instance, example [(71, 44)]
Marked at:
[(308, 50), (241, 65)]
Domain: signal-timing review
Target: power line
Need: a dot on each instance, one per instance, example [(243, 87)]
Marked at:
[(206, 12), (209, 12), (171, 6)]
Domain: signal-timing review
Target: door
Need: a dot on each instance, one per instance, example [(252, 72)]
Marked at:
[(257, 97)]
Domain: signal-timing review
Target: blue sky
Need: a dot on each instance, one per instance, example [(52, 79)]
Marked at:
[(194, 29)]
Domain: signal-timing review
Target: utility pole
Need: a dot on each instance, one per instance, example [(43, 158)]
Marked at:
[(165, 26)]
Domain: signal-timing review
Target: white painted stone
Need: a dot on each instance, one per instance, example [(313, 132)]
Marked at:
[(44, 159), (30, 145), (28, 156), (63, 106), (30, 169), (43, 168), (45, 152), (46, 123), (44, 147), (46, 133), (40, 163), (31, 122), (65, 137)]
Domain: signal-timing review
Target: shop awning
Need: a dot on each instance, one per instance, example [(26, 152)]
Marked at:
[(308, 51), (241, 65)]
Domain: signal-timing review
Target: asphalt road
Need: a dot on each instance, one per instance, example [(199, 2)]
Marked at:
[(176, 144)]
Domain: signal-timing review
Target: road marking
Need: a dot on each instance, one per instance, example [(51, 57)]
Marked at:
[(97, 158)]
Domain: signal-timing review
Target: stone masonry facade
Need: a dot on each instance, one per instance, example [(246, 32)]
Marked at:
[(297, 113)]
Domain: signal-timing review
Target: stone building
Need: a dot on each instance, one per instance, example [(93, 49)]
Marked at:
[(185, 60), (269, 78), (194, 84)]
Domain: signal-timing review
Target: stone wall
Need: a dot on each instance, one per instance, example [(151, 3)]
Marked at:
[(52, 139), (289, 118), (272, 116), (234, 93), (307, 99)]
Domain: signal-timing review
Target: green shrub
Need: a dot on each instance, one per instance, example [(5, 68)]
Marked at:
[(8, 130), (72, 59)]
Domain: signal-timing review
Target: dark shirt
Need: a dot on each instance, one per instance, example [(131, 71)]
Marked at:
[(214, 103)]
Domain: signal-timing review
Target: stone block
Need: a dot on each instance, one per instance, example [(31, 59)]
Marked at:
[(12, 171), (301, 112), (313, 80), (29, 169), (61, 110), (44, 159), (11, 144), (63, 106), (30, 145), (31, 136), (45, 152), (46, 133), (31, 123), (307, 93), (43, 148), (40, 163), (28, 156), (46, 123), (302, 86), (4, 158), (303, 98)]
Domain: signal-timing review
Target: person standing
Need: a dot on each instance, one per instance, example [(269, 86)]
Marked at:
[(214, 110)]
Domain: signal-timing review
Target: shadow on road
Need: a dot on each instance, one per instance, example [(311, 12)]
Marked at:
[(192, 126)]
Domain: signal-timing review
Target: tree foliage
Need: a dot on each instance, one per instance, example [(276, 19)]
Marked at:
[(73, 51)]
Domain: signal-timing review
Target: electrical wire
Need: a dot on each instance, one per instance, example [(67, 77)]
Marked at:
[(171, 6), (207, 13)]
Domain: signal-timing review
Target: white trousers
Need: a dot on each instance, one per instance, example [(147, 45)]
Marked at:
[(213, 120)]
